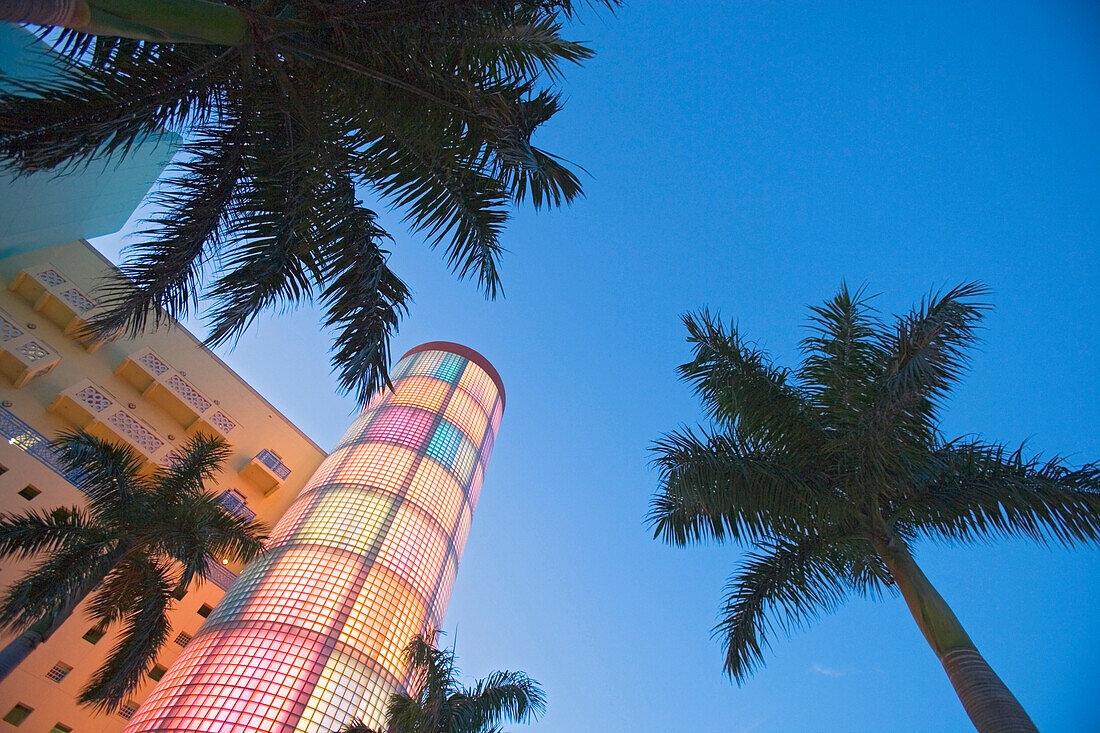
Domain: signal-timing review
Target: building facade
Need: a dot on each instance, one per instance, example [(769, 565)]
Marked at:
[(152, 394), (42, 209), (311, 635)]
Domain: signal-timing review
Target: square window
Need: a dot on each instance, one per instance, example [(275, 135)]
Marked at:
[(156, 672), (61, 728), (3, 469), (204, 610), (18, 714), (127, 710), (179, 593), (183, 638), (58, 672), (93, 635), (28, 492)]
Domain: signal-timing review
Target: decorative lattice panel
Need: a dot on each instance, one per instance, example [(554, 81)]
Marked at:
[(221, 422), (8, 330), (137, 432), (53, 278), (188, 393), (77, 300), (94, 399), (153, 364), (32, 351)]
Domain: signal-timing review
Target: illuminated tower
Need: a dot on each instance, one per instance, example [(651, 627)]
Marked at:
[(312, 632)]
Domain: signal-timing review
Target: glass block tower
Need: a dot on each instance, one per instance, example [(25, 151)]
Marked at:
[(311, 634)]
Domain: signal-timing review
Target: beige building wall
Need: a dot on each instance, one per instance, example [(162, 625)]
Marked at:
[(152, 393)]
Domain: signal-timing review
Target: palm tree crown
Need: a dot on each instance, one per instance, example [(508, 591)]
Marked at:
[(834, 471), (140, 539), (291, 108), (442, 705)]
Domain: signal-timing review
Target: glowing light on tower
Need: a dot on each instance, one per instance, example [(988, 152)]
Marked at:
[(311, 634)]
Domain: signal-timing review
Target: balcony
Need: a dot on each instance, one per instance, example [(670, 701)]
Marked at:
[(236, 504), (23, 356), (142, 368), (58, 299), (266, 471), (97, 412), (220, 575), (167, 388)]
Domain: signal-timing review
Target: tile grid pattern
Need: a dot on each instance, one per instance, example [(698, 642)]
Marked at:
[(311, 634)]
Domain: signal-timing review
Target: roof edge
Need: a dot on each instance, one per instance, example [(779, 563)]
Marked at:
[(466, 352), (173, 323)]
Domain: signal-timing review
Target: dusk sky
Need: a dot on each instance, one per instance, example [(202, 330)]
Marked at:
[(749, 157)]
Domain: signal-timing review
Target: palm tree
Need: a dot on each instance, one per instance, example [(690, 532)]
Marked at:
[(140, 540), (357, 726), (833, 472), (442, 705), (290, 109)]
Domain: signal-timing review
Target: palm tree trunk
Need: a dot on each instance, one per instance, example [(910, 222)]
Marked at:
[(19, 648), (175, 21), (66, 13), (990, 704)]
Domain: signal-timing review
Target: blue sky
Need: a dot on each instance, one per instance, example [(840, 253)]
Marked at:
[(749, 157)]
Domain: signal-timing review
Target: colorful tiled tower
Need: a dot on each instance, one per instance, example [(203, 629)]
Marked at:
[(311, 634)]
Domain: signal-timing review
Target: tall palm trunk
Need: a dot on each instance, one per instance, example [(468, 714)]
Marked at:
[(178, 21), (990, 704), (19, 648), (65, 13)]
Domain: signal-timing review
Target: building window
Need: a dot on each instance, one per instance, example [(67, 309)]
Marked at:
[(58, 672), (156, 672), (29, 492), (183, 638), (127, 710), (93, 635), (3, 469), (61, 728), (18, 714), (204, 610)]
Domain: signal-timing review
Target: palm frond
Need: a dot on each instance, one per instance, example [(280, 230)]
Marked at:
[(500, 697), (441, 181), (779, 587), (721, 486), (927, 353), (162, 274), (840, 356), (25, 535), (199, 533), (525, 170), (120, 589), (199, 460), (364, 301), (90, 112), (543, 178), (739, 386), (273, 261), (357, 726), (145, 629), (56, 584), (438, 665), (984, 490), (406, 714), (108, 473), (524, 45)]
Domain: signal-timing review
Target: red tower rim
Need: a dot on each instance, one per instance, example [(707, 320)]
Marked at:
[(465, 352)]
